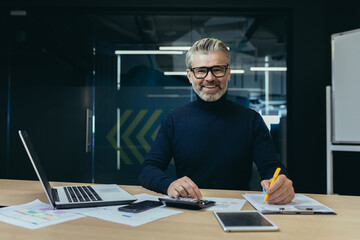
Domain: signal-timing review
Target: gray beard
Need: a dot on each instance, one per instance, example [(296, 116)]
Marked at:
[(211, 97)]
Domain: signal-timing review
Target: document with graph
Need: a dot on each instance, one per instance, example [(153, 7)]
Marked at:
[(35, 214), (301, 204)]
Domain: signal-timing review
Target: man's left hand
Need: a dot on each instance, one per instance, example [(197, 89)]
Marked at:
[(281, 191)]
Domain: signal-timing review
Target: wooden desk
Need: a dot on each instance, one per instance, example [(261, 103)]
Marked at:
[(187, 225)]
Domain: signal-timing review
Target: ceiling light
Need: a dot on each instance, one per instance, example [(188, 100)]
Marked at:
[(178, 48), (233, 71), (183, 73), (281, 69), (145, 52), (18, 13)]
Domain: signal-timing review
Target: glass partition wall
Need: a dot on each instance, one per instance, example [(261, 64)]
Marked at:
[(141, 76), (92, 89)]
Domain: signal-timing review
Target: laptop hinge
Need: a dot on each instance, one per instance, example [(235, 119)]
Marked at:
[(55, 195)]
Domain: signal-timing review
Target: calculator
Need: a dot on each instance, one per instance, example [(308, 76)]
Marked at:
[(187, 203)]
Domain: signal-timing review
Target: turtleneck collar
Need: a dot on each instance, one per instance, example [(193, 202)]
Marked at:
[(219, 104)]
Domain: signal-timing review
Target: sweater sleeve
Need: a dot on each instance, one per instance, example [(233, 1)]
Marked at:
[(264, 153), (152, 175)]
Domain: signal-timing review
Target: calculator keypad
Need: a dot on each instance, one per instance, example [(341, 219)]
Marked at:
[(187, 203)]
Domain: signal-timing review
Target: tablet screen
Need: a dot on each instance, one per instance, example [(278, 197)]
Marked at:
[(244, 221)]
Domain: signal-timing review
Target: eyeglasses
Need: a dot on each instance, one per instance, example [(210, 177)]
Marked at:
[(202, 72)]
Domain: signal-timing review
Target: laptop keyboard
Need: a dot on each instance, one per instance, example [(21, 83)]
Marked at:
[(81, 194)]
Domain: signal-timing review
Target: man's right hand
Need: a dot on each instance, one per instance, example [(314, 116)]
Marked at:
[(184, 187)]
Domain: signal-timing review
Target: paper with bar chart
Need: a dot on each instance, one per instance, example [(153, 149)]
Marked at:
[(35, 215)]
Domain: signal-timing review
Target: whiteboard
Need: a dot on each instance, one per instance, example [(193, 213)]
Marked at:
[(345, 61)]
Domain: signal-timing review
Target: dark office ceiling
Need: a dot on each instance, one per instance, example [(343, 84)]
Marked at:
[(69, 38), (266, 34)]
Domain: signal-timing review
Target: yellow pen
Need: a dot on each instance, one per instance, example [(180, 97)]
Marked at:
[(276, 174)]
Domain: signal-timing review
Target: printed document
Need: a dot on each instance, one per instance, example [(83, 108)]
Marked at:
[(35, 214), (301, 204), (132, 219), (225, 204)]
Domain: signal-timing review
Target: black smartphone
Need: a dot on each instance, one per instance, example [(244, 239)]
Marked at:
[(140, 206)]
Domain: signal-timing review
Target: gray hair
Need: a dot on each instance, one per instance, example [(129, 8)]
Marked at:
[(204, 46)]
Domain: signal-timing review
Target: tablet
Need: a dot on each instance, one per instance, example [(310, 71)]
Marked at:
[(244, 221)]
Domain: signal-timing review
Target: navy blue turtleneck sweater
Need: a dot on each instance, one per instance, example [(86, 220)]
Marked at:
[(214, 144)]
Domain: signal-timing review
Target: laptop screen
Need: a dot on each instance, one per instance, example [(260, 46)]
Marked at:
[(36, 164)]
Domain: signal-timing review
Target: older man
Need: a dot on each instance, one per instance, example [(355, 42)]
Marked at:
[(213, 141)]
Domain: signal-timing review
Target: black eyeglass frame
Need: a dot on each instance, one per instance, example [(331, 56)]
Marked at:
[(209, 69)]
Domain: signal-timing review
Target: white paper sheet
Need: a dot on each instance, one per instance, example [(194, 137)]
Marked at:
[(225, 204), (300, 203), (132, 219), (35, 214)]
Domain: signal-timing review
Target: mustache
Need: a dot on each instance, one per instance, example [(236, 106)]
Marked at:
[(211, 85)]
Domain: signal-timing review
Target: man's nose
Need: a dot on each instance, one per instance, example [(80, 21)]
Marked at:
[(210, 76)]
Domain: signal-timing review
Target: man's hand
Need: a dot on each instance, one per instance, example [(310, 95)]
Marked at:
[(281, 191), (184, 187)]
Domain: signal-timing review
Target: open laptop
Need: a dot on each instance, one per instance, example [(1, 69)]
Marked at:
[(75, 196)]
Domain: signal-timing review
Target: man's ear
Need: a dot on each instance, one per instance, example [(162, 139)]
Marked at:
[(188, 74), (229, 72)]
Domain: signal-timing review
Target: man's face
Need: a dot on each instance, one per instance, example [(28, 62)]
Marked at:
[(210, 88)]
